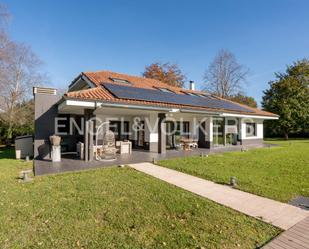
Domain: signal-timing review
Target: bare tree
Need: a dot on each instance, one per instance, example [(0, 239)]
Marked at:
[(225, 76), (19, 72)]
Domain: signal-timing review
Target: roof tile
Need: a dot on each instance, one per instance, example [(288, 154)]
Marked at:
[(100, 93)]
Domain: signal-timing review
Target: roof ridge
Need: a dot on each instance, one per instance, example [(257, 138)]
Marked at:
[(139, 77)]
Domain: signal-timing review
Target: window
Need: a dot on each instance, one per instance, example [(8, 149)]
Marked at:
[(120, 129), (191, 94), (206, 96), (123, 81), (165, 90), (183, 129), (250, 129), (175, 131), (231, 122)]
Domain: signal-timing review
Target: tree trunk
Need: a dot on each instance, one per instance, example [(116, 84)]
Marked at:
[(9, 134), (286, 135)]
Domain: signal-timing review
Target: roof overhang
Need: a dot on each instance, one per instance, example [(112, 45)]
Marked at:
[(65, 104), (249, 116), (86, 104), (81, 80)]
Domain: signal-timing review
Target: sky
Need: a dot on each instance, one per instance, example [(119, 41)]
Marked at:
[(125, 36)]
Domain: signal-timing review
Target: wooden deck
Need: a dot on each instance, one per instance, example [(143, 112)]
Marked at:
[(297, 237)]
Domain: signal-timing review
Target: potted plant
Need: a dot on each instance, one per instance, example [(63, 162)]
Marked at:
[(55, 140)]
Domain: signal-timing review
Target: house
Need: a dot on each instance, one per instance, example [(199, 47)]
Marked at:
[(154, 116)]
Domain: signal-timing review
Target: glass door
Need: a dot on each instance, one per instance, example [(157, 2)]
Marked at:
[(218, 132), (231, 131), (141, 134), (170, 135)]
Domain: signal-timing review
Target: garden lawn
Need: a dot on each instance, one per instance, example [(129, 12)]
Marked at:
[(115, 208), (280, 173)]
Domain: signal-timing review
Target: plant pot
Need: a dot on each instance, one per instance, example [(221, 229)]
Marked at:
[(55, 140), (18, 154)]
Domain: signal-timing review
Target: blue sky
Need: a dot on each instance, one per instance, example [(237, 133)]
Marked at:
[(124, 36)]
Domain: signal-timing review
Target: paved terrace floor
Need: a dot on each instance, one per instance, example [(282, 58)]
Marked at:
[(276, 213), (71, 163)]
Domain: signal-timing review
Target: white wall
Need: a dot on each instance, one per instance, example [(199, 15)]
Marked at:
[(151, 130)]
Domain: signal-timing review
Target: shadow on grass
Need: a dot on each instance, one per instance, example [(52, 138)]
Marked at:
[(7, 153)]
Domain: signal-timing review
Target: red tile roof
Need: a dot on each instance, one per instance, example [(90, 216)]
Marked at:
[(100, 93)]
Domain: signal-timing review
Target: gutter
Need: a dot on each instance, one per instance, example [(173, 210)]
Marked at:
[(249, 116), (138, 107), (96, 105)]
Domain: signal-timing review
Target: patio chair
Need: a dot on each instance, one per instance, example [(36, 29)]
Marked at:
[(178, 143), (109, 149)]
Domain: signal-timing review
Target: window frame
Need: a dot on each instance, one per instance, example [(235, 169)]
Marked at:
[(165, 90), (121, 81), (254, 125), (122, 128)]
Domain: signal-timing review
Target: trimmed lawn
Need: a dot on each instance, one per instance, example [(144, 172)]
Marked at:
[(280, 173), (115, 208)]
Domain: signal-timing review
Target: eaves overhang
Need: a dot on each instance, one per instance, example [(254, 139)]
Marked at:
[(94, 104)]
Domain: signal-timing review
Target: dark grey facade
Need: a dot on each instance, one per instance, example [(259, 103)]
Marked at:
[(45, 101)]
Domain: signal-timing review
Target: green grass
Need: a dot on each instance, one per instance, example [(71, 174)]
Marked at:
[(115, 208), (280, 173)]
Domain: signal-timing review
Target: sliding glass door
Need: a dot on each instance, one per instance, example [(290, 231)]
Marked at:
[(218, 132), (175, 131)]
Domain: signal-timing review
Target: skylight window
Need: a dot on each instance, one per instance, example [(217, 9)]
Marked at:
[(191, 94), (123, 81), (207, 96), (165, 90)]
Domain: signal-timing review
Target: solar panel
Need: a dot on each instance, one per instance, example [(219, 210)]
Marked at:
[(134, 93)]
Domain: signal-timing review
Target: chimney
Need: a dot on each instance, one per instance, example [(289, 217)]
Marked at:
[(192, 85), (45, 112), (44, 90)]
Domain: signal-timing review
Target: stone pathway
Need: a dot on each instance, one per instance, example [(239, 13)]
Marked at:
[(276, 213)]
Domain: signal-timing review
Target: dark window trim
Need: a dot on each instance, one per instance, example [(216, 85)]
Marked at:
[(254, 129)]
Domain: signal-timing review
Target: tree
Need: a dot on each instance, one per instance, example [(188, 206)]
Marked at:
[(288, 96), (19, 72), (225, 76), (23, 125), (246, 100), (167, 72)]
